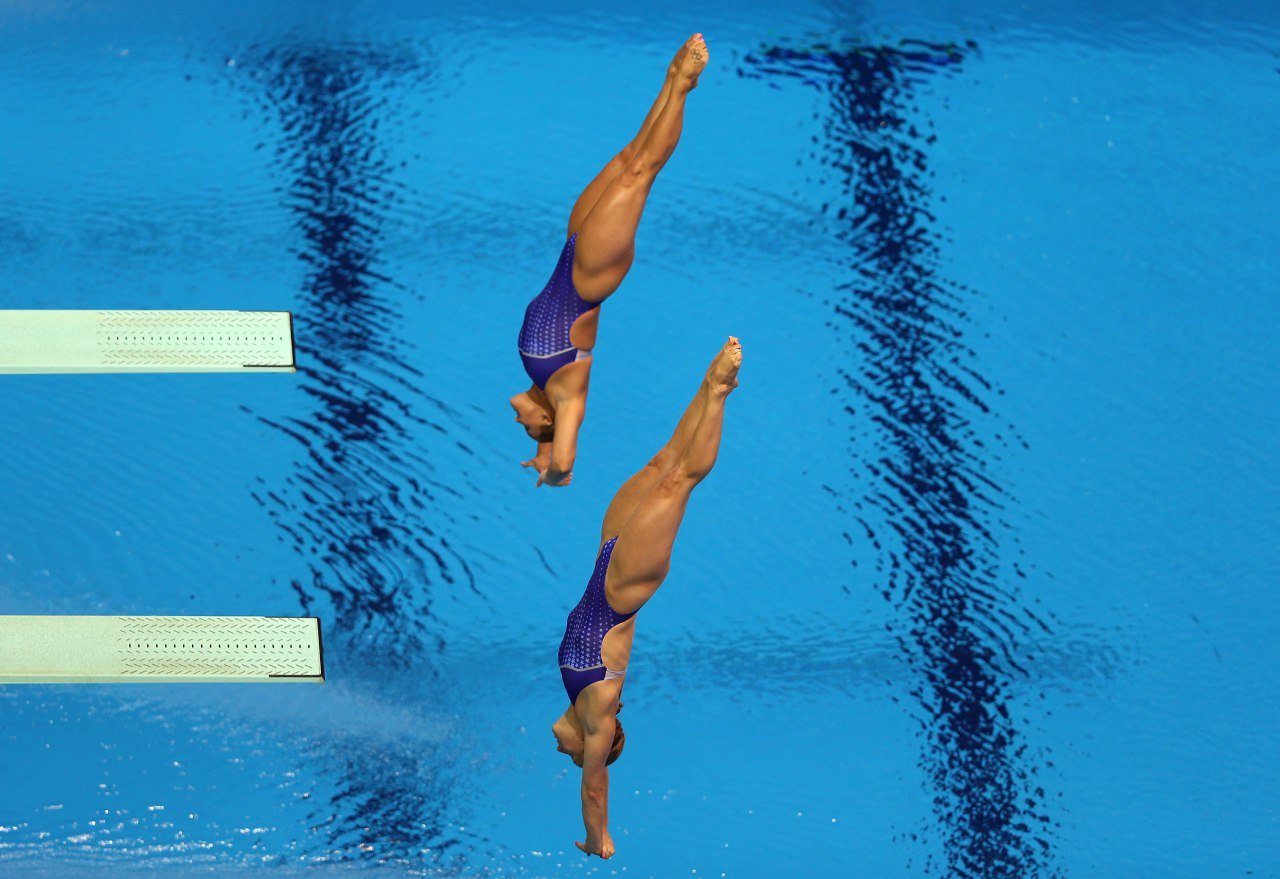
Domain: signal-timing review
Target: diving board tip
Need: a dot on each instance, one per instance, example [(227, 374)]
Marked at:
[(108, 649), (90, 341)]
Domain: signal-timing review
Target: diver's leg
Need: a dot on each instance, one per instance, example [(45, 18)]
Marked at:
[(606, 238), (587, 200), (624, 502), (642, 555)]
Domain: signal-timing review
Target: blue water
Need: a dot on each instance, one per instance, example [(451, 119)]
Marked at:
[(983, 582)]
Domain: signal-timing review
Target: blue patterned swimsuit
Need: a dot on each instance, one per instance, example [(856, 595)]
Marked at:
[(544, 336), (580, 661)]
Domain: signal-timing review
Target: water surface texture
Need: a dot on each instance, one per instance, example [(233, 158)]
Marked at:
[(983, 582), (928, 505)]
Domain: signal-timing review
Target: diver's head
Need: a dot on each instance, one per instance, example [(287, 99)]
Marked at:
[(535, 413), (569, 740)]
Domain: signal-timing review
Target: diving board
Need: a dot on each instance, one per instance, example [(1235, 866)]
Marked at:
[(51, 649), (61, 340)]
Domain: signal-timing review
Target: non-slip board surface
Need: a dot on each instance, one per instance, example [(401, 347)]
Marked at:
[(104, 649), (58, 340)]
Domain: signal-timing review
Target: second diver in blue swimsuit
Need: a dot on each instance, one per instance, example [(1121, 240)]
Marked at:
[(636, 539)]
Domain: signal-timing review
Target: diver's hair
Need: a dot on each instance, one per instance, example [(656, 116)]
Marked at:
[(619, 742), (539, 397)]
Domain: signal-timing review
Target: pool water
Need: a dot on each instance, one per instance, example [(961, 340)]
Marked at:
[(982, 584)]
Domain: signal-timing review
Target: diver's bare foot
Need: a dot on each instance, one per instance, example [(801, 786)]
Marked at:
[(690, 62), (673, 69), (723, 374)]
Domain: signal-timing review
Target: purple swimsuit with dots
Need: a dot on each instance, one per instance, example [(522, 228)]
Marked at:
[(580, 660), (544, 336)]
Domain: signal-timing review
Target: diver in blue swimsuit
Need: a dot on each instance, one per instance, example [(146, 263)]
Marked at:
[(559, 328), (635, 554)]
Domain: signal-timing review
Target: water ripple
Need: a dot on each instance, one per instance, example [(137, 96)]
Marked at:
[(367, 504), (930, 508), (357, 505)]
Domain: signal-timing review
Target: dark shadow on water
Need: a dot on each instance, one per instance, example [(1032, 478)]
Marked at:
[(926, 502), (362, 503)]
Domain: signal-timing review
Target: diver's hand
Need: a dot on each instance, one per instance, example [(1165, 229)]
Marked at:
[(539, 462), (541, 459), (603, 848), (547, 476)]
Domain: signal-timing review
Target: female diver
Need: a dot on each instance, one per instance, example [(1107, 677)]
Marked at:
[(635, 554), (559, 326)]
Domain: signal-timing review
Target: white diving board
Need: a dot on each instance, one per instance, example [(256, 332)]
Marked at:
[(50, 649), (60, 340)]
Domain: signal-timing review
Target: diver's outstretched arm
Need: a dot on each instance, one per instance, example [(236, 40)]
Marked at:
[(564, 445), (598, 739)]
